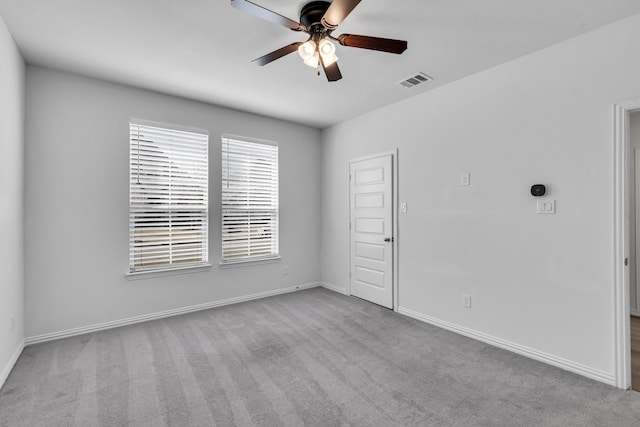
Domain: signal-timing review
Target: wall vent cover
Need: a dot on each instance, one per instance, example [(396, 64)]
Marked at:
[(415, 80)]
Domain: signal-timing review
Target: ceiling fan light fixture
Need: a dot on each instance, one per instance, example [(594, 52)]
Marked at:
[(307, 50), (313, 60), (329, 59), (328, 52), (326, 47)]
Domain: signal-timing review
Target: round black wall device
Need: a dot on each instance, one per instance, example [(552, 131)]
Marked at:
[(538, 190)]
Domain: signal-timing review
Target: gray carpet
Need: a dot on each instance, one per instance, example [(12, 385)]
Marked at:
[(311, 358)]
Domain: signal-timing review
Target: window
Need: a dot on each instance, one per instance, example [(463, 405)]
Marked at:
[(168, 198), (249, 200)]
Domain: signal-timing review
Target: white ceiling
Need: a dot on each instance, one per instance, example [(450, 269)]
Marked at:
[(201, 49)]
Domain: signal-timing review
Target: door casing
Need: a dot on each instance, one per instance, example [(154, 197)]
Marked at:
[(622, 240)]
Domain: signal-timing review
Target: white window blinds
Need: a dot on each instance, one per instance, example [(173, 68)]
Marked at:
[(168, 198), (249, 200)]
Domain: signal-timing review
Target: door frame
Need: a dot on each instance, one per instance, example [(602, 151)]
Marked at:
[(634, 218), (622, 239), (394, 218)]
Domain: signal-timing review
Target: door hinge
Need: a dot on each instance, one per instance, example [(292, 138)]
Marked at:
[(626, 261)]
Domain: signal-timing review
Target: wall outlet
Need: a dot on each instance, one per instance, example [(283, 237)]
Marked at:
[(465, 179), (13, 324), (285, 270), (466, 301)]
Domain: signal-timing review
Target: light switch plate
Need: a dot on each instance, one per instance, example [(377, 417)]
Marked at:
[(546, 207), (466, 301), (403, 208)]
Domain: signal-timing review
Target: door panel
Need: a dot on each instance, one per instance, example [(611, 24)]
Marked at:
[(371, 219)]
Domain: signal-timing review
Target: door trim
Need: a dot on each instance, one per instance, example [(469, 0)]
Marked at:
[(394, 219), (634, 219), (621, 240)]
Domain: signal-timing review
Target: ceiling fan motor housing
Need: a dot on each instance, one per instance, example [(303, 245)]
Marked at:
[(311, 15)]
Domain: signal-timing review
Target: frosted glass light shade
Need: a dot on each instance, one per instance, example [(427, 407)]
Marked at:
[(328, 52), (326, 48), (313, 60), (307, 49)]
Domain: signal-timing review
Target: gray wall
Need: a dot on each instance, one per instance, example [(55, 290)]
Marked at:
[(76, 207), (541, 284), (11, 201)]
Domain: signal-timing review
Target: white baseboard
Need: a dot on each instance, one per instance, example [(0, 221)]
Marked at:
[(160, 315), (7, 369), (577, 368), (335, 288), (635, 313)]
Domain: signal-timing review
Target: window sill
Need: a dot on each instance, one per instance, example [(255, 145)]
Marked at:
[(249, 262), (137, 275)]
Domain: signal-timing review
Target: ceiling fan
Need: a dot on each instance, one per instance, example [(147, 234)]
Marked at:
[(319, 19)]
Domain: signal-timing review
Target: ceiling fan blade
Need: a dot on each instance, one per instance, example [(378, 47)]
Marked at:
[(373, 43), (277, 54), (336, 13), (331, 71), (266, 14)]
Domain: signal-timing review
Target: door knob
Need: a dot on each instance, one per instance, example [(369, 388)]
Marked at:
[(388, 239)]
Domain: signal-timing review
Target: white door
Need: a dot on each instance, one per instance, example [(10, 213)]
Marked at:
[(371, 230)]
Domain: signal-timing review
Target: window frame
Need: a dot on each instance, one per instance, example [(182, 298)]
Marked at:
[(194, 203), (274, 256)]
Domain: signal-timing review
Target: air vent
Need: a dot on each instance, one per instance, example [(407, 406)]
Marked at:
[(415, 80)]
